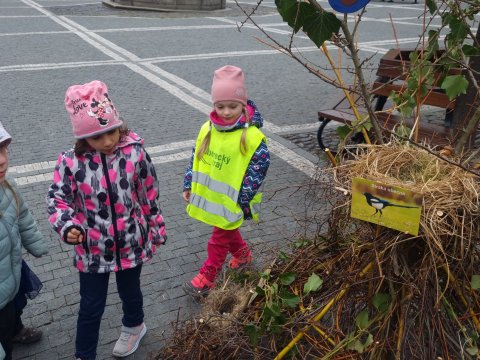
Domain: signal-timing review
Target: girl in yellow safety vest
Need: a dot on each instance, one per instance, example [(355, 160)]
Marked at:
[(228, 165)]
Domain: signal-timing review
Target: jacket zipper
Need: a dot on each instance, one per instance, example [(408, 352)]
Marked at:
[(85, 243), (112, 208), (144, 235)]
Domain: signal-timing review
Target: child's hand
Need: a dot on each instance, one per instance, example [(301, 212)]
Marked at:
[(74, 237), (186, 195)]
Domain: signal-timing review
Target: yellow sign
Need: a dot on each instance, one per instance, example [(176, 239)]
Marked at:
[(386, 205)]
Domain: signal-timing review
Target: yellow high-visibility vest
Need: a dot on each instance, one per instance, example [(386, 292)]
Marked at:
[(218, 176)]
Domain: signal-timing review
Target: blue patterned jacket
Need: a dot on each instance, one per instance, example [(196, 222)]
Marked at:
[(257, 168)]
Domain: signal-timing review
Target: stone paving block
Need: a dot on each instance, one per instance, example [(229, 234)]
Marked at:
[(198, 248), (174, 261), (70, 280), (72, 299), (52, 266), (157, 288), (166, 255), (60, 256), (33, 308), (110, 336), (160, 308), (63, 290), (182, 243), (58, 340), (113, 299), (44, 276), (63, 271), (38, 262), (180, 305), (175, 293), (190, 268), (184, 251), (149, 298), (21, 352), (62, 313), (69, 324), (48, 353), (56, 303), (42, 318), (36, 348)]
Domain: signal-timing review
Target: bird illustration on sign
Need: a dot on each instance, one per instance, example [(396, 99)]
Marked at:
[(394, 207), (379, 204)]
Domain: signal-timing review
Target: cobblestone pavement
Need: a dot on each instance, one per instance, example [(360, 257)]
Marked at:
[(158, 67), (307, 141)]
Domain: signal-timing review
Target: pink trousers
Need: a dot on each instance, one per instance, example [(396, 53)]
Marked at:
[(220, 244)]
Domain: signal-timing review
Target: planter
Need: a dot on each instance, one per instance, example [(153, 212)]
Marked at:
[(168, 5)]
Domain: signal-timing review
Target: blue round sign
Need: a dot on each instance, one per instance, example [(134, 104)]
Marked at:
[(348, 6)]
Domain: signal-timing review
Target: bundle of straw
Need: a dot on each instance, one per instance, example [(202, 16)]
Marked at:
[(450, 218)]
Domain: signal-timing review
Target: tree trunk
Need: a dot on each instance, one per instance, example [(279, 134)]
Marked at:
[(466, 116)]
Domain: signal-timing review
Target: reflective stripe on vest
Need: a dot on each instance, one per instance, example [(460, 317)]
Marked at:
[(218, 176), (214, 185), (215, 209)]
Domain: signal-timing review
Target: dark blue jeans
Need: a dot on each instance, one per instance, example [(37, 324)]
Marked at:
[(93, 296), (7, 326)]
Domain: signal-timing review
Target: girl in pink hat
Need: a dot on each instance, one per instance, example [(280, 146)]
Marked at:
[(104, 202), (228, 165)]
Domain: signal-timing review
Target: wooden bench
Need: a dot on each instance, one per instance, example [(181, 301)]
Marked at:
[(436, 97), (395, 64), (433, 134), (391, 75)]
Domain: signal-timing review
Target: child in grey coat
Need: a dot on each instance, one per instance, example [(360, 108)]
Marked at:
[(18, 228)]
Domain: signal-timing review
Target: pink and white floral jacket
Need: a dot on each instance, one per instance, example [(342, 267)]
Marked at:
[(112, 199)]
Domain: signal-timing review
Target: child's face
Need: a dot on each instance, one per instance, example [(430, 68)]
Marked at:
[(106, 142), (3, 161), (229, 111)]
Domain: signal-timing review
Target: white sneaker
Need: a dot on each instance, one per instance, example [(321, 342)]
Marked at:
[(129, 340)]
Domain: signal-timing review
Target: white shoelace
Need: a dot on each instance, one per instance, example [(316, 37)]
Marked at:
[(124, 337)]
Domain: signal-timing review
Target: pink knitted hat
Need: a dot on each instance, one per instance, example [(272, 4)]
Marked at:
[(229, 84), (91, 110)]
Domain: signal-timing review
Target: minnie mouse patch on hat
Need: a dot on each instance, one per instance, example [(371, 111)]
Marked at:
[(91, 110), (348, 6)]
